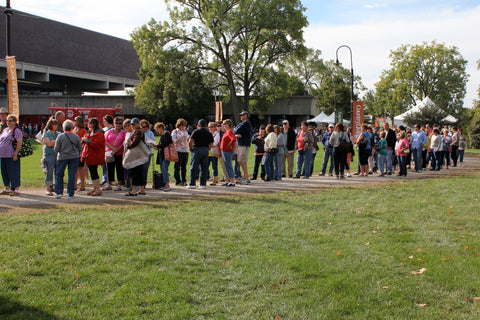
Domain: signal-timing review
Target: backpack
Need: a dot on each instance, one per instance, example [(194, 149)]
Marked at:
[(26, 149)]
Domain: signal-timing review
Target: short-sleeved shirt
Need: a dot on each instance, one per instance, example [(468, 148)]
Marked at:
[(48, 134), (115, 139), (201, 138), (6, 138)]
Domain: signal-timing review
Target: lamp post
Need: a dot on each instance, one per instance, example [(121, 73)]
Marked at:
[(8, 13), (351, 69)]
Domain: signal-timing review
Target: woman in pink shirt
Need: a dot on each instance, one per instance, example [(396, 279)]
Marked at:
[(114, 146), (402, 150)]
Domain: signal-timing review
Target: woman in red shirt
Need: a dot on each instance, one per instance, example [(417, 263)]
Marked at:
[(227, 147), (94, 153)]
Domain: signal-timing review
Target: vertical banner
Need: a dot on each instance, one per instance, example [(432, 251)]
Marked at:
[(357, 119), (218, 111), (13, 104)]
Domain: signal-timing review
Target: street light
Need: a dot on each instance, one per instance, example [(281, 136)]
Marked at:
[(8, 13), (351, 69)]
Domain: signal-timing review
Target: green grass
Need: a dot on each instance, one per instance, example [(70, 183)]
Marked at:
[(345, 253), (32, 175)]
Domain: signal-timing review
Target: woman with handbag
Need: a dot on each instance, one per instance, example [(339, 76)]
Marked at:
[(114, 154), (214, 152), (403, 148), (340, 141), (270, 151), (10, 164), (165, 142), (49, 153), (180, 139), (94, 153), (134, 142)]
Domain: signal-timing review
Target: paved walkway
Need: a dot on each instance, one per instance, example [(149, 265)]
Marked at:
[(36, 199)]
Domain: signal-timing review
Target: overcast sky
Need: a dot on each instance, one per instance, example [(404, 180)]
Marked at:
[(370, 28)]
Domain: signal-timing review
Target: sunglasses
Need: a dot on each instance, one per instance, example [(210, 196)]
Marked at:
[(145, 127), (118, 122), (10, 120)]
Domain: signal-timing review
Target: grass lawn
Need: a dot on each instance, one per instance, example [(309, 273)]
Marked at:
[(406, 250)]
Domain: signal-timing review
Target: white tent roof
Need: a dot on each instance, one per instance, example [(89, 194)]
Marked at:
[(420, 105), (450, 118), (323, 118)]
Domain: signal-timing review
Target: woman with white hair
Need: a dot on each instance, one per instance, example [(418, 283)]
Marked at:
[(68, 147)]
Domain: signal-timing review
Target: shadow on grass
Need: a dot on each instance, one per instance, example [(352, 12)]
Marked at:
[(14, 310)]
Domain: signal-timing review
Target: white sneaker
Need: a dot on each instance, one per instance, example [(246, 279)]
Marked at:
[(59, 196), (203, 187), (89, 182), (348, 175), (191, 187), (107, 187), (118, 188)]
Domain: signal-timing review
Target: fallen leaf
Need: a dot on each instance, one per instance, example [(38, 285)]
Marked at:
[(374, 231), (476, 299), (445, 259), (367, 244), (140, 232), (411, 257), (77, 275), (467, 247), (419, 249), (403, 263), (385, 287), (421, 271), (421, 305), (339, 253)]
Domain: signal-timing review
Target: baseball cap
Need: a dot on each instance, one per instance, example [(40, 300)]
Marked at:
[(285, 121), (331, 125), (202, 123), (135, 121), (3, 110), (245, 113)]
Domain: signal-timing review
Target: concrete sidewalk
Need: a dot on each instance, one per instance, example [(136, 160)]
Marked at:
[(36, 198)]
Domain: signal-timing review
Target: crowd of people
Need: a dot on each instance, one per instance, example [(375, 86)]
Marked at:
[(123, 148)]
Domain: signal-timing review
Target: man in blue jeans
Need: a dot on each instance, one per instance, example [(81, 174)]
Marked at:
[(419, 138), (200, 142), (328, 149)]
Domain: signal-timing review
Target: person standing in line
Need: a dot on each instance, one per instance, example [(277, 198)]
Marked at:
[(149, 138), (114, 143), (10, 162), (49, 154), (258, 141), (289, 138), (107, 126), (82, 172), (243, 133), (340, 141), (136, 173), (462, 145), (180, 139), (328, 152), (228, 146), (304, 145), (94, 153), (402, 147), (200, 142), (391, 138), (382, 153), (60, 117), (214, 151), (454, 146), (435, 146), (364, 150), (419, 138), (279, 155), (165, 141), (270, 148), (68, 147)]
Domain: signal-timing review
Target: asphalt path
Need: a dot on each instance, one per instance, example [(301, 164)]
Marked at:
[(32, 199)]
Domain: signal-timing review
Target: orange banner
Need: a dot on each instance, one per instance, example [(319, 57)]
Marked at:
[(218, 111), (357, 119), (13, 103)]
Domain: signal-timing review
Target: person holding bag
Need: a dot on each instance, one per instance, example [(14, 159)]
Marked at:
[(10, 162), (165, 142), (136, 158), (114, 150), (94, 153)]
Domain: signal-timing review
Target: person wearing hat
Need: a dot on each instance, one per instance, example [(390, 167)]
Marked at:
[(243, 133), (3, 118), (200, 142), (328, 151), (289, 137)]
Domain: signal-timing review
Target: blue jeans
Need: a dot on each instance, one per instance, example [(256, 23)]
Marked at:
[(227, 157), (199, 161), (327, 155), (164, 166), (403, 165), (304, 158), (214, 161), (417, 158), (10, 173), (390, 156), (382, 162), (60, 172), (269, 165), (278, 166), (51, 160), (145, 168)]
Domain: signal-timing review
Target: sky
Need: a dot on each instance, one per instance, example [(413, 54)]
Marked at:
[(371, 28)]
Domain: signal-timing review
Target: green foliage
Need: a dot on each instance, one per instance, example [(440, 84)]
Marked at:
[(236, 40), (474, 133), (171, 84), (418, 71)]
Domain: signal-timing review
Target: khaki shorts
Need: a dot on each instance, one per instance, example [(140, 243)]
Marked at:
[(242, 153)]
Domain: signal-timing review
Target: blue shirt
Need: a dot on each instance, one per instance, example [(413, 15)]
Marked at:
[(326, 139), (418, 139), (244, 129), (366, 136)]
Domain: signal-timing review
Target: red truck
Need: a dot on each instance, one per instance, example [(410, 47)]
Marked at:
[(86, 112)]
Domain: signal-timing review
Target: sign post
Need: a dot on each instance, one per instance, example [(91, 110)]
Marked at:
[(13, 103)]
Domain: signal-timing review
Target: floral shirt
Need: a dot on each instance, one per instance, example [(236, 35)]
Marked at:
[(6, 147), (180, 139)]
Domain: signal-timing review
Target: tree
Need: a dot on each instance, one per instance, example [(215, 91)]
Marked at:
[(238, 40), (418, 71)]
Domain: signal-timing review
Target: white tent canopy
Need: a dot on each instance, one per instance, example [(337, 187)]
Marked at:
[(427, 102), (323, 118)]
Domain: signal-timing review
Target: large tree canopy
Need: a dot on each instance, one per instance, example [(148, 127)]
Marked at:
[(430, 69), (236, 40)]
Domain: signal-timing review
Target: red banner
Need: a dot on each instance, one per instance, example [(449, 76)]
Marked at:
[(357, 119), (13, 104)]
